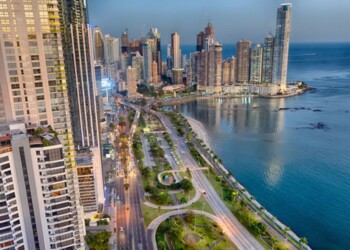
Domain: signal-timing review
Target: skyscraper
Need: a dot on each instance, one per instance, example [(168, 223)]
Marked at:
[(233, 67), (82, 87), (137, 63), (281, 48), (99, 45), (209, 33), (268, 59), (225, 72), (215, 64), (154, 72), (154, 35), (175, 50), (112, 57), (256, 64), (243, 60), (147, 62), (131, 81), (36, 210), (125, 42), (33, 83)]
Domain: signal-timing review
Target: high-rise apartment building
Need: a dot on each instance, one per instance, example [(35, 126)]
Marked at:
[(137, 63), (99, 45), (82, 86), (243, 60), (131, 81), (154, 36), (281, 47), (112, 56), (36, 209), (267, 67), (209, 33), (147, 62), (256, 64), (225, 72), (233, 67), (175, 50), (125, 42), (154, 72), (214, 65)]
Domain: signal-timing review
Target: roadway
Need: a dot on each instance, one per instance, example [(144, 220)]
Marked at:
[(231, 226)]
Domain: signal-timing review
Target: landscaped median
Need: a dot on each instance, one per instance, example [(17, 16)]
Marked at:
[(188, 229)]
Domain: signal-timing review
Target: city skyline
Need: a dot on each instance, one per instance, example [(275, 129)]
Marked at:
[(313, 21)]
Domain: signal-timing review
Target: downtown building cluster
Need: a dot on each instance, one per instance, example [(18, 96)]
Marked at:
[(50, 157), (264, 65), (128, 62)]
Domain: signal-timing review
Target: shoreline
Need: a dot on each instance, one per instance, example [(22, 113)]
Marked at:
[(187, 99), (200, 131)]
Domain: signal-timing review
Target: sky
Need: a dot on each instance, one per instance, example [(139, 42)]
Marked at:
[(312, 20)]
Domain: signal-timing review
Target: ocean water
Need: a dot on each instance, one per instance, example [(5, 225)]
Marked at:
[(296, 162)]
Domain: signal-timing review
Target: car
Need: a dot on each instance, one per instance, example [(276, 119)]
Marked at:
[(121, 229), (118, 198)]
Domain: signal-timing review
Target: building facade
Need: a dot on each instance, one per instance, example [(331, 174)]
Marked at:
[(256, 64), (35, 205), (281, 47), (267, 67), (175, 50), (243, 61)]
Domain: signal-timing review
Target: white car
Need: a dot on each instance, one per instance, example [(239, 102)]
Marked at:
[(118, 198), (121, 229)]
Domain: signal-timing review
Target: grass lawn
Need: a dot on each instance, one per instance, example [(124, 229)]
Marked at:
[(201, 204), (150, 213), (205, 234)]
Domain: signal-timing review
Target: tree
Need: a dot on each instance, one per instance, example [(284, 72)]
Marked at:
[(98, 241), (163, 198), (186, 185), (189, 217), (126, 186), (303, 240)]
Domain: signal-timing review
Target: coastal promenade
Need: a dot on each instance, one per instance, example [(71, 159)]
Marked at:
[(231, 226), (278, 228)]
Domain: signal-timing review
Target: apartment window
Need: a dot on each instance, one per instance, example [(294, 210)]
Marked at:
[(13, 72), (19, 113), (15, 86), (28, 7), (34, 58), (40, 97), (16, 93), (3, 6), (8, 44), (29, 14), (17, 99), (4, 14), (12, 65), (14, 79), (35, 64), (37, 78), (29, 21), (5, 21), (11, 58), (36, 71), (39, 91), (5, 29), (38, 84), (7, 36), (4, 159)]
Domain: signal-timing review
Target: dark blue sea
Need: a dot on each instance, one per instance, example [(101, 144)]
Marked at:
[(295, 162)]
